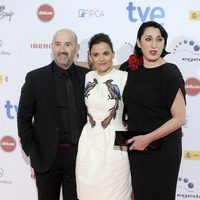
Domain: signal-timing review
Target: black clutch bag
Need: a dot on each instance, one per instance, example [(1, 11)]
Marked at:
[(122, 136)]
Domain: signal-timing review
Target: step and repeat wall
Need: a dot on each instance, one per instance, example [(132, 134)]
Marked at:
[(26, 30)]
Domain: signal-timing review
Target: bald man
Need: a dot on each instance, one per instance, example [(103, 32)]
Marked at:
[(44, 119)]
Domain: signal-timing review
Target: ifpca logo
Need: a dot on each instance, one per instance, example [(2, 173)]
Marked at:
[(82, 13)]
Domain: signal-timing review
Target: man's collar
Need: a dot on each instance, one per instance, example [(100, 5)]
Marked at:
[(59, 71)]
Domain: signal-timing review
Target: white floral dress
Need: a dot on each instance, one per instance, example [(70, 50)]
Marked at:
[(102, 169)]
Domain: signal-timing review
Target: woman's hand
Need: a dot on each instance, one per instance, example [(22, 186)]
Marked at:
[(138, 143)]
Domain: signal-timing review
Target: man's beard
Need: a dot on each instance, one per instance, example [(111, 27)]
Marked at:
[(63, 58)]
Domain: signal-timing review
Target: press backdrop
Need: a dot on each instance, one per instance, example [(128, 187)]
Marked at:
[(26, 30)]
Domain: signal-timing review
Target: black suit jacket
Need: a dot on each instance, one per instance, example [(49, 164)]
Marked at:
[(38, 117)]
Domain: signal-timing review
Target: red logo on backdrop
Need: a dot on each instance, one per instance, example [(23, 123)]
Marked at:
[(8, 143), (192, 86), (40, 46), (45, 13)]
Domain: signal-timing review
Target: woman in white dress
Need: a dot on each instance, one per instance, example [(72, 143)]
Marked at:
[(102, 169)]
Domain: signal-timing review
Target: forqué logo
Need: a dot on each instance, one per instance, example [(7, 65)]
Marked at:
[(45, 12), (8, 143), (192, 86)]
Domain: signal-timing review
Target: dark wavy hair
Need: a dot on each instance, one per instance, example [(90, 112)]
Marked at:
[(100, 37), (164, 34)]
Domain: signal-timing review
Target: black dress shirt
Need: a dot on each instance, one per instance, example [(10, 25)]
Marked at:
[(60, 83)]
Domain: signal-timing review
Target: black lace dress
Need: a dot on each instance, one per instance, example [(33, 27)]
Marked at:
[(148, 97)]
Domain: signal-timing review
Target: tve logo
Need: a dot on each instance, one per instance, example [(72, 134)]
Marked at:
[(11, 110), (145, 14)]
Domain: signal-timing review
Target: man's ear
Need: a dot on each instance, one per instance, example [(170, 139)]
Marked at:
[(77, 47)]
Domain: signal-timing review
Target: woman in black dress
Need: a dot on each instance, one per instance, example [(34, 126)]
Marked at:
[(155, 101)]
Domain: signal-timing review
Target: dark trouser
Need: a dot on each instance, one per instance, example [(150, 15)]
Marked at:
[(61, 174)]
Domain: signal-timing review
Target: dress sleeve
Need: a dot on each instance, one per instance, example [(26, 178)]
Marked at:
[(124, 66), (172, 82), (87, 75), (124, 78)]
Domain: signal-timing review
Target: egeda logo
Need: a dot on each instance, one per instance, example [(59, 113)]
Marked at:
[(137, 13), (186, 183), (186, 189), (186, 44)]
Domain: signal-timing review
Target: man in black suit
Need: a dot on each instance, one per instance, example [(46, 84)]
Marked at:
[(48, 132)]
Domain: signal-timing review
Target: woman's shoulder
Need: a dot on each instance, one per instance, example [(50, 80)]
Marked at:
[(119, 76), (91, 73), (124, 66), (119, 73), (114, 73), (171, 69)]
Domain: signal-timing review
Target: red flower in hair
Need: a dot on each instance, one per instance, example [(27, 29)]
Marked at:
[(134, 62)]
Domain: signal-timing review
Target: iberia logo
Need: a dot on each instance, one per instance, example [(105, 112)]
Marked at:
[(45, 12), (8, 143), (192, 86)]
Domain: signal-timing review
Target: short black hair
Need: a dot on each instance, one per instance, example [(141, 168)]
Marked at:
[(98, 38), (164, 34)]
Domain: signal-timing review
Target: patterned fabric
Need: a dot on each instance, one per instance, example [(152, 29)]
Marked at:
[(114, 93), (102, 169)]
